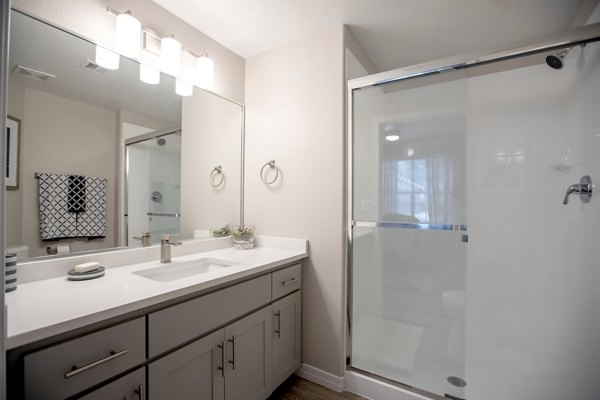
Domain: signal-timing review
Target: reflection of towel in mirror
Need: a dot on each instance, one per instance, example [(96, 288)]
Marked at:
[(92, 222), (72, 206), (56, 222)]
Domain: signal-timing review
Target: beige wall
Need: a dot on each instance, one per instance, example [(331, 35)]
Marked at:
[(211, 136), (89, 18), (55, 126), (295, 115)]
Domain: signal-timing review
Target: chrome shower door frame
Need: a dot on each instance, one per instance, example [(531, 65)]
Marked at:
[(574, 37)]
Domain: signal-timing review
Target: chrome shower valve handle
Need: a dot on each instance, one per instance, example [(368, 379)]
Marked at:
[(584, 188)]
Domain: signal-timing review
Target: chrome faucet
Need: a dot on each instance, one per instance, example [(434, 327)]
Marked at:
[(145, 238), (584, 188), (165, 247)]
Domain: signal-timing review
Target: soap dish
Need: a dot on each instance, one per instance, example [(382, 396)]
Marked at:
[(84, 276)]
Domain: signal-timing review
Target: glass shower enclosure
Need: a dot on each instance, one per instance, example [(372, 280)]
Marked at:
[(153, 170), (469, 278)]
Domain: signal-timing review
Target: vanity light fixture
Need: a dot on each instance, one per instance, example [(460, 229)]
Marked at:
[(129, 30), (107, 58), (183, 88), (149, 75), (170, 55), (205, 68)]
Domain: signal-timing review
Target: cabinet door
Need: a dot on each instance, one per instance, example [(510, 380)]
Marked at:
[(248, 355), (192, 372), (130, 387), (287, 341)]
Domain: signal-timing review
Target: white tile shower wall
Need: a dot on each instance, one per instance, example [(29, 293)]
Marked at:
[(532, 265)]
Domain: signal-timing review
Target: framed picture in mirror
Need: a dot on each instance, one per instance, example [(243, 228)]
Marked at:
[(13, 136)]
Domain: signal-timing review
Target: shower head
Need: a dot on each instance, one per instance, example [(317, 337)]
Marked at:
[(161, 141), (556, 61)]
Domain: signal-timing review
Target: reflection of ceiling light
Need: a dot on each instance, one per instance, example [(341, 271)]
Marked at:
[(389, 127), (149, 74), (392, 138), (129, 30), (106, 58), (170, 55), (204, 72), (410, 152), (183, 88)]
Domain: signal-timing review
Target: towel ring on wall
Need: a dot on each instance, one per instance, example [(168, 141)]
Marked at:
[(215, 174), (271, 165)]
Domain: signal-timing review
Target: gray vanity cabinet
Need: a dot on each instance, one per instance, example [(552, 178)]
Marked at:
[(233, 363), (194, 371), (238, 342), (287, 340)]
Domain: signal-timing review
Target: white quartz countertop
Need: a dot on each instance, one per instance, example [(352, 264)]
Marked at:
[(41, 309)]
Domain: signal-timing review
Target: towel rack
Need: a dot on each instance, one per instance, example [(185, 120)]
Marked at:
[(215, 174), (271, 164)]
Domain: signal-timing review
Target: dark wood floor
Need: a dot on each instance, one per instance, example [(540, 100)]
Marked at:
[(296, 388)]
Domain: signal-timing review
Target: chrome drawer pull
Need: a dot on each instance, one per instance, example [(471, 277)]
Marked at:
[(112, 356), (289, 282), (140, 392), (222, 367), (278, 330), (232, 361)]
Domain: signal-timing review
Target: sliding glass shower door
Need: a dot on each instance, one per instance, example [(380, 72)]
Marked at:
[(409, 233), (474, 256)]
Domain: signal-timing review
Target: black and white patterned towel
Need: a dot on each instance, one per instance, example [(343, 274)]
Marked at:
[(71, 206)]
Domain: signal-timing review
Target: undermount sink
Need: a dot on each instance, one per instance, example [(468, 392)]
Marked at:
[(183, 269)]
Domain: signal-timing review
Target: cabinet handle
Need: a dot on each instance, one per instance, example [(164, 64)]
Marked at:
[(222, 367), (140, 392), (278, 330), (232, 362), (74, 371), (286, 283)]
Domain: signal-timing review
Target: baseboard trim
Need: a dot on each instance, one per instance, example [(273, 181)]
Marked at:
[(323, 378)]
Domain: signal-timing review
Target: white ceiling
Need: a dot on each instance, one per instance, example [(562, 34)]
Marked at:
[(393, 33)]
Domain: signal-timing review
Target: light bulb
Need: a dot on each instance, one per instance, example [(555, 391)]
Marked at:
[(205, 68), (183, 88), (149, 75), (129, 30), (106, 58), (170, 55), (392, 138)]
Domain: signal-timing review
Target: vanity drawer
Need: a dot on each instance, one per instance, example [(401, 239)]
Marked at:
[(286, 280), (63, 370), (130, 387), (180, 323)]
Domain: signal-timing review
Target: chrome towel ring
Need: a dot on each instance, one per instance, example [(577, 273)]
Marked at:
[(217, 176), (271, 165)]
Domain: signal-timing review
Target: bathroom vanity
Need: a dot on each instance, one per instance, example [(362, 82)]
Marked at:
[(230, 332)]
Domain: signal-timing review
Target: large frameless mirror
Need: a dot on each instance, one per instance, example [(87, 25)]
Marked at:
[(100, 157)]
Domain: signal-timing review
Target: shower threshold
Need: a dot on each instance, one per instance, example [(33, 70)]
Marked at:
[(377, 387)]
